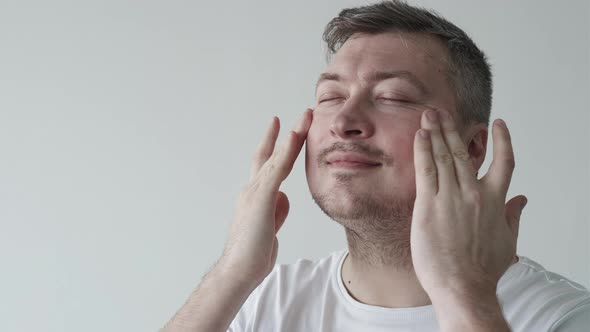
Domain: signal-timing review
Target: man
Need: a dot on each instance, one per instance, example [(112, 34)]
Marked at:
[(394, 143)]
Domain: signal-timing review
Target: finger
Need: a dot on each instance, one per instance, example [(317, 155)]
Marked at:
[(278, 167), (426, 177), (303, 126), (442, 158), (464, 171), (513, 211), (300, 133), (282, 210), (266, 146), (502, 167), (275, 250)]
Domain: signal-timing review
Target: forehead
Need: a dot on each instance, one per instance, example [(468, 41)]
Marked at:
[(422, 54)]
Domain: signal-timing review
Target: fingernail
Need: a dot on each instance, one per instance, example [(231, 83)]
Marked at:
[(423, 133), (524, 201), (502, 123), (432, 116)]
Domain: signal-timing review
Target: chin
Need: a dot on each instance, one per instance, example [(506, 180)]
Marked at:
[(343, 202), (352, 204)]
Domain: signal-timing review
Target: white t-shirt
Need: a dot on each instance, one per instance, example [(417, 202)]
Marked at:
[(310, 296)]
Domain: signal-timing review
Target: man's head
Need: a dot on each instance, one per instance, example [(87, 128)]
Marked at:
[(388, 63)]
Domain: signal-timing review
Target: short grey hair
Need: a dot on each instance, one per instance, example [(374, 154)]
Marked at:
[(469, 70)]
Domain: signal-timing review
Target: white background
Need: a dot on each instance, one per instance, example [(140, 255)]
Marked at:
[(127, 130)]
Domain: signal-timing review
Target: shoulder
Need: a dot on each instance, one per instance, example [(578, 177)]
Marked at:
[(298, 285), (302, 274), (534, 298), (536, 282), (289, 289)]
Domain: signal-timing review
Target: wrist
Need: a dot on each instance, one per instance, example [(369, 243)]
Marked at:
[(469, 310), (236, 276), (467, 290)]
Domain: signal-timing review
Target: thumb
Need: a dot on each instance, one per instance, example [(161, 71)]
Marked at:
[(275, 252), (513, 211), (281, 210)]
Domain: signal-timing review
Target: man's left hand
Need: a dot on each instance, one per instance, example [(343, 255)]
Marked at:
[(463, 235)]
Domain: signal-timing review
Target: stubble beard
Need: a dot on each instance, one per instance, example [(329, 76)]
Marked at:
[(377, 227)]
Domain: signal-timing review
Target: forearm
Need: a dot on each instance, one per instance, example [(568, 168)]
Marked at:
[(214, 304), (470, 313)]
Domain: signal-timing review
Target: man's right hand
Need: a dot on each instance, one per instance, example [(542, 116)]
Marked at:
[(251, 249)]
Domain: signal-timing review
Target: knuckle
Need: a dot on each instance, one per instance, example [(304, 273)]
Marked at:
[(451, 129), (510, 163), (444, 158), (429, 171), (274, 166), (270, 168), (461, 154)]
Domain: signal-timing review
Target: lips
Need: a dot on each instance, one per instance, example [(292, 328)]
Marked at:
[(351, 159)]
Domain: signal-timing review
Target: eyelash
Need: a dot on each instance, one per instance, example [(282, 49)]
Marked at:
[(388, 99), (321, 101)]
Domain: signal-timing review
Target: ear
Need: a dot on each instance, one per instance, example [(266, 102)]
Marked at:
[(476, 139)]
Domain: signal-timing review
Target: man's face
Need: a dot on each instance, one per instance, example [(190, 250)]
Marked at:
[(368, 105)]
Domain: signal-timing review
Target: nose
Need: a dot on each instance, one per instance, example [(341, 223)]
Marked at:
[(352, 121)]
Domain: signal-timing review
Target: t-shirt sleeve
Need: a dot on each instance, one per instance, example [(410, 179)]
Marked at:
[(576, 320)]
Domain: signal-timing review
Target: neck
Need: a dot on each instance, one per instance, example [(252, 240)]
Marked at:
[(379, 272)]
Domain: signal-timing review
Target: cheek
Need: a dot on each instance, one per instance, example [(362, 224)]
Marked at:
[(406, 144), (319, 124), (400, 148), (397, 136), (315, 135), (311, 146)]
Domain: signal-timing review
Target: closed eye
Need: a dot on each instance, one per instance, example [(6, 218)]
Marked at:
[(395, 100), (328, 99)]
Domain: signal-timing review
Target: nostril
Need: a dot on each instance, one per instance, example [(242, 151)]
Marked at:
[(353, 132)]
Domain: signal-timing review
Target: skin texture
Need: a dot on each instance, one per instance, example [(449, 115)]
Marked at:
[(355, 115), (421, 228), (251, 249), (379, 119), (463, 235)]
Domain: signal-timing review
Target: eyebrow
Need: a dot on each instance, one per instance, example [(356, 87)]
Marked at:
[(376, 77)]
